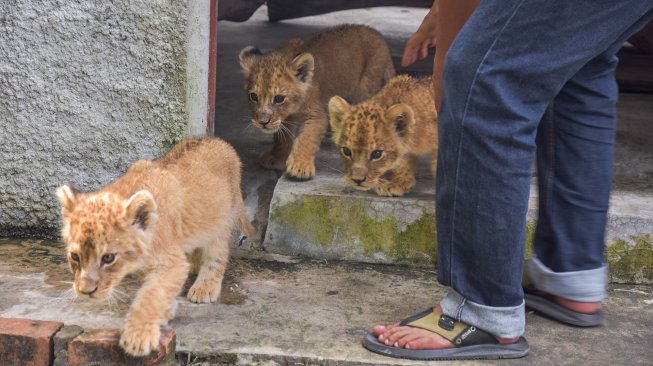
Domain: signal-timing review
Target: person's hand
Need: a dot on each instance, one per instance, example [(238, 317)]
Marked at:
[(417, 47)]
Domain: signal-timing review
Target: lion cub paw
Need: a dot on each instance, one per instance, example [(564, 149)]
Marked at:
[(271, 161), (392, 189), (204, 292), (139, 339), (300, 169)]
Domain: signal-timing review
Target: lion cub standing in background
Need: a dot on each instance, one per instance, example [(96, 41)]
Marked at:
[(288, 89), (380, 139), (147, 221)]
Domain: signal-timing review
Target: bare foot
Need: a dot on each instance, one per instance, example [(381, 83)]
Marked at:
[(417, 338), (580, 307)]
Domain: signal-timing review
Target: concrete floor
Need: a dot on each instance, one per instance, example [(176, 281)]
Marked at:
[(289, 311)]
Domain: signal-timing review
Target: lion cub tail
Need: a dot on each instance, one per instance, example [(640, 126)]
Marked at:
[(244, 224)]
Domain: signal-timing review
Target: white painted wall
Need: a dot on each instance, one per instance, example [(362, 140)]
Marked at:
[(86, 89)]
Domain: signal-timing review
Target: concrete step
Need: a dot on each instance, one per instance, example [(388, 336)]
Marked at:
[(322, 218)]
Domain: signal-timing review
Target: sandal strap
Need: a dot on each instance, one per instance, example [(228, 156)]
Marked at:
[(457, 332)]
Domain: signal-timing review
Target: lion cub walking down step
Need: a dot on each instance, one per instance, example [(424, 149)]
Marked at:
[(380, 139), (147, 221), (289, 88)]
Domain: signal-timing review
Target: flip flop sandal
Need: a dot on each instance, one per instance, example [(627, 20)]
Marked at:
[(546, 304), (471, 343)]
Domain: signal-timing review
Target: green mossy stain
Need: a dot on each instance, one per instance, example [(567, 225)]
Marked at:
[(330, 221), (530, 235), (631, 261)]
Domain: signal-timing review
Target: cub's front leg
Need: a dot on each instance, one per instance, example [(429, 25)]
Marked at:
[(301, 162), (399, 181), (283, 141), (152, 306)]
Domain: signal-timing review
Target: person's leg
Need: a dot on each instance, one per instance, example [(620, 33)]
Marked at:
[(488, 124), (507, 64), (575, 155)]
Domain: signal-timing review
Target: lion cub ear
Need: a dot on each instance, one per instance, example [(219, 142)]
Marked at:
[(401, 116), (68, 198), (304, 65), (247, 57), (140, 210), (337, 108)]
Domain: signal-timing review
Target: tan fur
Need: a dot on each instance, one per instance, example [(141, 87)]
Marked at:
[(148, 219), (352, 61), (398, 124)]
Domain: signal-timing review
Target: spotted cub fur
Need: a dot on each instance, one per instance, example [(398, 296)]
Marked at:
[(147, 221), (289, 88), (380, 139)]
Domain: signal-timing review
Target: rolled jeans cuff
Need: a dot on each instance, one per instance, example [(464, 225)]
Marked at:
[(503, 322), (584, 286)]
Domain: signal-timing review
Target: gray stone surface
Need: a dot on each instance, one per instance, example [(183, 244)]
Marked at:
[(323, 218), (292, 311), (61, 339), (86, 88)]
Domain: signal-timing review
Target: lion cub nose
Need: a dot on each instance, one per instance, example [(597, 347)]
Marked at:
[(87, 287), (359, 181), (87, 292)]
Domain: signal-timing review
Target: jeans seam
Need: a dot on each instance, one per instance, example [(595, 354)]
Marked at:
[(550, 171), (459, 312), (460, 141)]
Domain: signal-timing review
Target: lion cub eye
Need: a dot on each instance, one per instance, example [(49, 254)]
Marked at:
[(74, 256), (376, 154), (278, 99), (346, 152), (108, 258), (253, 97)]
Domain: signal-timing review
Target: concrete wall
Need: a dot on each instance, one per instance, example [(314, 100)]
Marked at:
[(86, 89)]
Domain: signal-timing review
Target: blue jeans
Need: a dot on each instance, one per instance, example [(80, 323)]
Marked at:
[(527, 78)]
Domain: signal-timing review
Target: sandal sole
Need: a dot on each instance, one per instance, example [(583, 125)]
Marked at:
[(476, 352)]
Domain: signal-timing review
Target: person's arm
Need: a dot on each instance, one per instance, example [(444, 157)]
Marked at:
[(442, 23), (424, 38)]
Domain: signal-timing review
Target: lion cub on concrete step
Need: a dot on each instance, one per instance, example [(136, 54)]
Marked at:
[(288, 89), (380, 139), (147, 221)]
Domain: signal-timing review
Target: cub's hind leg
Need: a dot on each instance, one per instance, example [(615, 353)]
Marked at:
[(375, 75), (213, 263)]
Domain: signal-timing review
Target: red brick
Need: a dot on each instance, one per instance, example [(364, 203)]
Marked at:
[(101, 345), (27, 342)]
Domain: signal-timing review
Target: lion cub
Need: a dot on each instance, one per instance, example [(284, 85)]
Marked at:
[(146, 221), (380, 139), (288, 89)]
